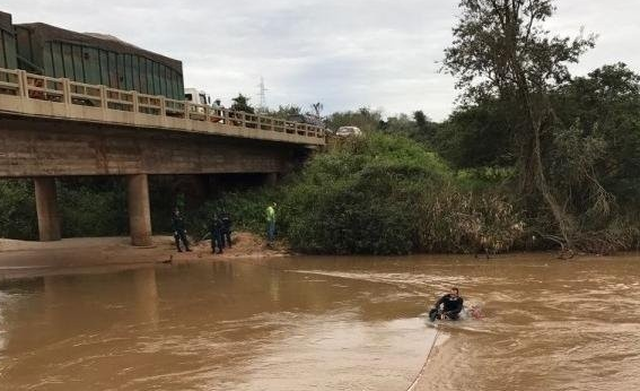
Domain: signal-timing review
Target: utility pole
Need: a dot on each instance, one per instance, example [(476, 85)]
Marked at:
[(262, 95)]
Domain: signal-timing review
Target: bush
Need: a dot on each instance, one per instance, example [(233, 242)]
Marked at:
[(18, 219), (92, 212), (381, 195), (456, 222), (86, 209), (361, 197)]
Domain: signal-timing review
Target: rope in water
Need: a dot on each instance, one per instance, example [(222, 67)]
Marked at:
[(424, 366), (417, 378)]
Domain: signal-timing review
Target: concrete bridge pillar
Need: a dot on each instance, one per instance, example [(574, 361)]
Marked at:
[(271, 179), (47, 208), (139, 210)]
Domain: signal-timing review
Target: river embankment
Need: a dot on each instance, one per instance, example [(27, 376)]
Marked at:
[(26, 258)]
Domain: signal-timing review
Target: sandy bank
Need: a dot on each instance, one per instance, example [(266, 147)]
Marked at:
[(22, 258)]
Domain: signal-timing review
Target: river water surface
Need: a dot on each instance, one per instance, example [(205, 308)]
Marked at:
[(326, 324)]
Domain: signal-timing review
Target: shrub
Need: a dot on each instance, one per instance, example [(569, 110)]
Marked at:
[(361, 197), (91, 211), (456, 222), (381, 195), (18, 219)]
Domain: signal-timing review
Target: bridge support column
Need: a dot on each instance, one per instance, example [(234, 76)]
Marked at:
[(139, 210), (47, 208), (271, 179)]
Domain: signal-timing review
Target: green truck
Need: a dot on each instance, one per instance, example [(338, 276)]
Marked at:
[(8, 52), (88, 58)]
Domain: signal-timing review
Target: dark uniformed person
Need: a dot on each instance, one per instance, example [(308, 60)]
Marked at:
[(179, 230), (226, 229), (216, 229)]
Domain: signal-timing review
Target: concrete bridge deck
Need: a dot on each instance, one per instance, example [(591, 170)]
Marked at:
[(56, 127), (30, 95)]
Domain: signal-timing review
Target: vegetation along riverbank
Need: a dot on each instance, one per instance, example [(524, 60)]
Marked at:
[(533, 158)]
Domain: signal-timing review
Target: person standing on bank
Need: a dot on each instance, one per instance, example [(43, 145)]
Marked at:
[(216, 230), (226, 229), (271, 223), (179, 230)]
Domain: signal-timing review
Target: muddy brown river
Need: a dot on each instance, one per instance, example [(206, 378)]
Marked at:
[(326, 324)]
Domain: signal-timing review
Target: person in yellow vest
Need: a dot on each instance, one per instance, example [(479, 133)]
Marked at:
[(271, 223)]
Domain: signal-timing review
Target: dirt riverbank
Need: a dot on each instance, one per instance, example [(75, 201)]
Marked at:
[(23, 258)]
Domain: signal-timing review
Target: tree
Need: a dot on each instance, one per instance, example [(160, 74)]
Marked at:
[(421, 120), (501, 50), (400, 124), (606, 105), (476, 136), (241, 103), (317, 109), (426, 129)]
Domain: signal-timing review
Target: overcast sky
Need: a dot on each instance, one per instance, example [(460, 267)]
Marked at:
[(345, 53)]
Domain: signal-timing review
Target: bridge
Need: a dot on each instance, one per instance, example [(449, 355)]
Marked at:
[(54, 127)]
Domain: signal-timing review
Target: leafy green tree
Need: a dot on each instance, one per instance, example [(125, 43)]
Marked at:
[(426, 129), (401, 124), (477, 136), (605, 106), (502, 50), (241, 103)]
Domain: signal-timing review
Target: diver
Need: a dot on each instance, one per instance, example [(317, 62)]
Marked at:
[(448, 307)]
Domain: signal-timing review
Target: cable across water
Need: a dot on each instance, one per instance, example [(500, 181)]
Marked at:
[(424, 366)]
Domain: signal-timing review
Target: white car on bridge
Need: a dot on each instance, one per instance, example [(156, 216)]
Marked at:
[(348, 131)]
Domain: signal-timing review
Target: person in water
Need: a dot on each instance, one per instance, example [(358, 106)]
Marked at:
[(448, 307)]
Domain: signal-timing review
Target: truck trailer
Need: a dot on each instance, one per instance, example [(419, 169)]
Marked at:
[(90, 58)]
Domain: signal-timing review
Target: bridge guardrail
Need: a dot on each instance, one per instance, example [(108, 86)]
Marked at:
[(64, 91), (9, 82), (43, 88), (118, 100)]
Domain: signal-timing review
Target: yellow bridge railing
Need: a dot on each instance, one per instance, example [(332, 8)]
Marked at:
[(23, 85)]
